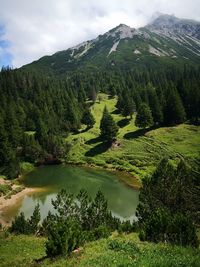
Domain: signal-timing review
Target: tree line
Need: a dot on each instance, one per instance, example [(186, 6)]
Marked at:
[(37, 112), (36, 115)]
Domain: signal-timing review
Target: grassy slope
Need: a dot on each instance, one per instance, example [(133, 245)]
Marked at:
[(20, 250), (139, 152), (23, 250)]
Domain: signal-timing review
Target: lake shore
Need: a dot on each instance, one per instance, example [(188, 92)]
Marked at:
[(19, 191), (126, 177), (8, 200)]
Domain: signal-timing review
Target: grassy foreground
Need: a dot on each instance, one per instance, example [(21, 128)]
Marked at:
[(139, 150), (117, 250)]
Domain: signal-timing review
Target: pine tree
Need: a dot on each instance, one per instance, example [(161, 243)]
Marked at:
[(155, 105), (35, 219), (88, 119), (120, 103), (93, 94), (129, 107), (174, 112), (144, 117), (164, 211), (108, 127)]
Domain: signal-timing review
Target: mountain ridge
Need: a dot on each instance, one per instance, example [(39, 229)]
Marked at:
[(166, 38)]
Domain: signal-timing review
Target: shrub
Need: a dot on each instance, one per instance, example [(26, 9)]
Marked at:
[(168, 208), (127, 227), (63, 238), (19, 225), (57, 241), (101, 232), (30, 226), (5, 189)]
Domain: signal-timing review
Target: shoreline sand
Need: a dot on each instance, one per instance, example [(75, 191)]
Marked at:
[(6, 203)]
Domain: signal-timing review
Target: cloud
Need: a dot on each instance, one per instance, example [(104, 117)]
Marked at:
[(36, 28)]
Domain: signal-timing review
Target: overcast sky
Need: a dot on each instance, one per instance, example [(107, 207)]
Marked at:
[(30, 29)]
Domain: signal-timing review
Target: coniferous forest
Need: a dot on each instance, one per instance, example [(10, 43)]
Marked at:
[(38, 112), (140, 121)]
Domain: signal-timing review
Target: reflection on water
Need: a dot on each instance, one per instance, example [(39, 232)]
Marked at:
[(122, 200)]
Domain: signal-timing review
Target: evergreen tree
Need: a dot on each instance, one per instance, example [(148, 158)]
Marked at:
[(144, 117), (167, 206), (108, 127), (88, 119), (154, 105), (30, 226), (31, 151), (93, 94), (120, 103), (19, 225), (174, 112), (57, 240), (129, 107), (34, 219)]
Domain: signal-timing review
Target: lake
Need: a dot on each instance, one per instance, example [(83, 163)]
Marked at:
[(122, 199)]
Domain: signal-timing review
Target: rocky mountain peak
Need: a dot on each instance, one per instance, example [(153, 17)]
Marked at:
[(122, 31), (171, 24)]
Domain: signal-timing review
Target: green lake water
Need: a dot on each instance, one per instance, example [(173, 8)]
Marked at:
[(122, 200)]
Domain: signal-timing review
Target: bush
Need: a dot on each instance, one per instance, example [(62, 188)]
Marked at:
[(177, 229), (101, 232), (19, 225), (168, 209), (182, 231), (22, 226), (63, 238), (127, 227), (5, 189), (57, 241)]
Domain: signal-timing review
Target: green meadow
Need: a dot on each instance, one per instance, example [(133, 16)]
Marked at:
[(138, 151), (117, 250)]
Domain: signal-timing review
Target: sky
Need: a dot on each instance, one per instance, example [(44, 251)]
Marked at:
[(30, 29)]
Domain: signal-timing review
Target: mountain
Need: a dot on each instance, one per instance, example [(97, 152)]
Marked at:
[(170, 25), (166, 40)]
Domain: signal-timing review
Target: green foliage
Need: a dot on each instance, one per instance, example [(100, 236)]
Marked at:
[(127, 227), (20, 225), (43, 105), (168, 205), (51, 108), (5, 189), (139, 151), (128, 247), (174, 112), (125, 104), (101, 231), (183, 231), (31, 148), (108, 127), (126, 250), (154, 105), (177, 229), (26, 167), (77, 220), (144, 117), (88, 119), (20, 250), (34, 220), (57, 240)]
